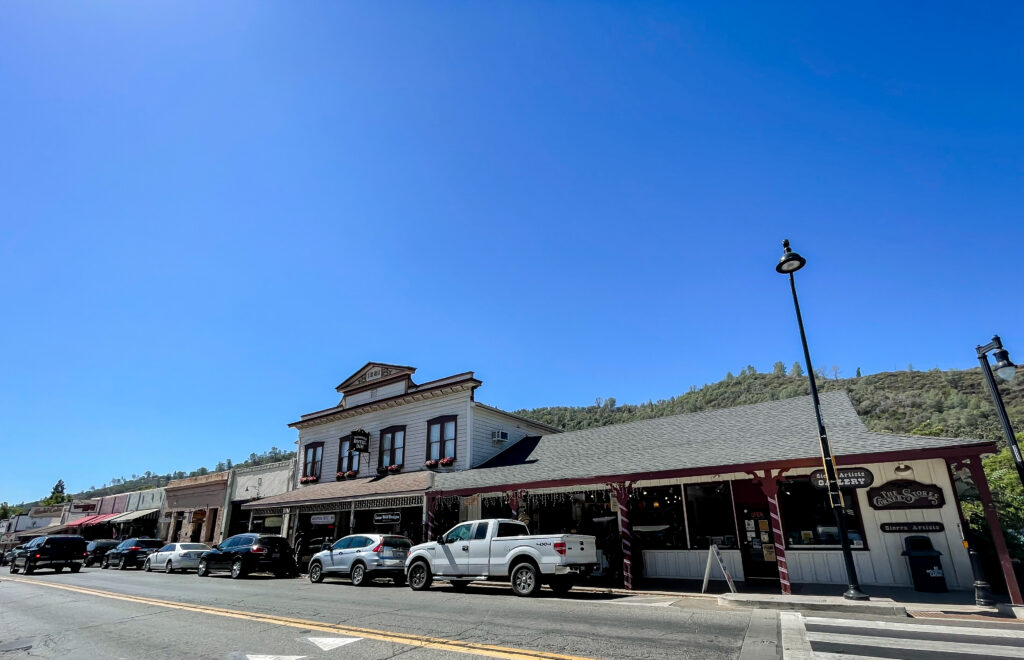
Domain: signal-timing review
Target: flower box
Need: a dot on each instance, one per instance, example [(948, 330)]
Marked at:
[(351, 474), (447, 461), (431, 464), (308, 480), (394, 469)]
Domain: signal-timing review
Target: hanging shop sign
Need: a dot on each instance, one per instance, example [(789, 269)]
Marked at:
[(322, 519), (906, 494), (360, 441), (913, 527), (855, 477), (387, 517)]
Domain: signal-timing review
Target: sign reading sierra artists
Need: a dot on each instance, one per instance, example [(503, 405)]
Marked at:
[(856, 477), (906, 494)]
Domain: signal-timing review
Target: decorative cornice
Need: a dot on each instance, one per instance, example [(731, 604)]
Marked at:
[(335, 414)]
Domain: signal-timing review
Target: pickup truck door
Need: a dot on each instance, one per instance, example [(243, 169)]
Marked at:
[(479, 554), (453, 554)]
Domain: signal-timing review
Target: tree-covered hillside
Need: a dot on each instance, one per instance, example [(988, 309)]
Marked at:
[(943, 403)]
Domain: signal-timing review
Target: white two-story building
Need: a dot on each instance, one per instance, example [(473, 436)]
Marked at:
[(365, 464)]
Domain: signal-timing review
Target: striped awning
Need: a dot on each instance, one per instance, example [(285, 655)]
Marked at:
[(102, 518), (133, 515), (85, 520)]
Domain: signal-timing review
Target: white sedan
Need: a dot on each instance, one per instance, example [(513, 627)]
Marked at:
[(176, 557)]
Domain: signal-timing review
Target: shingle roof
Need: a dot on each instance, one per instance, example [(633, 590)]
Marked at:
[(335, 491), (759, 433)]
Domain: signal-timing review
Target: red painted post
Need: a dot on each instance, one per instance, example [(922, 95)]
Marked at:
[(770, 487), (981, 483), (622, 491), (431, 505)]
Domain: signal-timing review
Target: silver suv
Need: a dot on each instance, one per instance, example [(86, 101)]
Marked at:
[(362, 557)]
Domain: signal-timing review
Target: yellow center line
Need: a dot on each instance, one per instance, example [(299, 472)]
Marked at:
[(439, 643)]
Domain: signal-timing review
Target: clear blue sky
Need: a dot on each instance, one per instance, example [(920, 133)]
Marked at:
[(212, 213)]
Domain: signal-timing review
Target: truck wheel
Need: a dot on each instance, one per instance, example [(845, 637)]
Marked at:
[(316, 573), (419, 576), (524, 579), (358, 575), (561, 585)]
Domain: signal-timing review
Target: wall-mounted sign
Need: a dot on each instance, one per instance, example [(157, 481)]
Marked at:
[(45, 511), (906, 494), (387, 517), (848, 478), (360, 441), (322, 519), (913, 527), (82, 507)]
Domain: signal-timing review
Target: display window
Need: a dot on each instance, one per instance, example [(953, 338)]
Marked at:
[(710, 516), (807, 518)]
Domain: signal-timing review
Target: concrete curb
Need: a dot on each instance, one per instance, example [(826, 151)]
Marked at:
[(1011, 610), (813, 604)]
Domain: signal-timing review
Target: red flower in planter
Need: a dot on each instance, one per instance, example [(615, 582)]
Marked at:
[(351, 474), (431, 464), (308, 480), (394, 469), (447, 461)]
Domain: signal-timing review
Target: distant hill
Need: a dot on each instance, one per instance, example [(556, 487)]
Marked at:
[(952, 403)]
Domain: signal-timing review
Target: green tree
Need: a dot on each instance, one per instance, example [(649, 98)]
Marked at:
[(57, 495), (779, 369), (796, 370), (7, 511), (858, 373)]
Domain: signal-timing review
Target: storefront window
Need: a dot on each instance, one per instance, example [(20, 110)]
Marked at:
[(710, 515), (807, 516), (657, 518)]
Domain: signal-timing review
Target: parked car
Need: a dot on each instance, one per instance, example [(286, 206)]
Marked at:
[(176, 557), (243, 554), (362, 557), (130, 553), (5, 557), (56, 552), (501, 549), (96, 549)]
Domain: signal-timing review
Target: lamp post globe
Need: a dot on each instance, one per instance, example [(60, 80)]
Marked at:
[(1003, 367), (790, 261)]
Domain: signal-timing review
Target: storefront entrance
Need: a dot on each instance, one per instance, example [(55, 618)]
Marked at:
[(403, 521), (757, 545)]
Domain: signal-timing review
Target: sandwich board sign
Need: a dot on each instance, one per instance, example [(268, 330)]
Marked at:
[(714, 553)]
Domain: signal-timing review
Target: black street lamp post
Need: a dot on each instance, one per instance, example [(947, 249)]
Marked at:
[(789, 264), (1006, 370)]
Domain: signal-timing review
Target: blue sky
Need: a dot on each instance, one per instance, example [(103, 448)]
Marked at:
[(212, 213)]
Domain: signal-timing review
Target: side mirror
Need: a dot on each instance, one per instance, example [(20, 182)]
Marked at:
[(440, 539), (325, 546)]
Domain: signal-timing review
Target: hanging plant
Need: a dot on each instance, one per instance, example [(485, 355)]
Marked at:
[(447, 461)]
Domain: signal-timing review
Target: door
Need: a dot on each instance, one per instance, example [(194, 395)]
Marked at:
[(757, 542), (343, 560), (239, 548), (479, 554), (159, 558), (222, 557), (332, 560), (454, 554)]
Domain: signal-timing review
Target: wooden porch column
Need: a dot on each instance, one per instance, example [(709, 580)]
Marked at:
[(431, 505), (770, 487), (622, 491), (981, 483)]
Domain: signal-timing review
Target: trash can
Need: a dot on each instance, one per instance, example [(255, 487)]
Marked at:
[(925, 565)]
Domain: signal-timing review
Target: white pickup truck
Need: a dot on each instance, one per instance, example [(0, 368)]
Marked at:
[(502, 549)]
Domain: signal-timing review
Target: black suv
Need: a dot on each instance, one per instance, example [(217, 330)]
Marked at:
[(96, 549), (56, 552), (131, 552), (250, 553)]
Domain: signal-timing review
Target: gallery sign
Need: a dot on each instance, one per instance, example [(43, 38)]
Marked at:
[(855, 477), (387, 517), (359, 441), (906, 494), (913, 527)]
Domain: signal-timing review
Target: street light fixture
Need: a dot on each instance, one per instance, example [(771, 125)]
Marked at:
[(790, 263), (1005, 370)]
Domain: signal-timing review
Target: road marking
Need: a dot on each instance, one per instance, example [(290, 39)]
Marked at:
[(421, 641), (818, 655), (795, 645), (329, 643), (911, 627), (916, 644), (274, 657)]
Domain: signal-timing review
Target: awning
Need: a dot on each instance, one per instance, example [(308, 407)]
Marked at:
[(102, 519), (85, 520), (42, 531), (409, 483), (132, 515)]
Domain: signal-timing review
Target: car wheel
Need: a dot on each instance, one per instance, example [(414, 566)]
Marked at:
[(524, 580), (104, 564), (75, 568), (14, 569), (419, 576), (168, 567), (27, 569), (358, 575), (316, 573), (122, 564), (146, 567), (459, 585), (204, 568), (237, 570), (561, 586)]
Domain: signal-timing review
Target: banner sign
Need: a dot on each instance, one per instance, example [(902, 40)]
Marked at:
[(45, 511), (322, 519), (913, 527), (906, 494), (359, 441), (848, 478), (387, 517)]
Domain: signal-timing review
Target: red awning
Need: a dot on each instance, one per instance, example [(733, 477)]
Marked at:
[(102, 518), (81, 521)]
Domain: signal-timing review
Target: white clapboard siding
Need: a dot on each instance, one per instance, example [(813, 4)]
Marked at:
[(413, 416), (485, 421), (690, 564), (382, 392)]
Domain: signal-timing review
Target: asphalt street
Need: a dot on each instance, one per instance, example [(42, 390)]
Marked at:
[(129, 614)]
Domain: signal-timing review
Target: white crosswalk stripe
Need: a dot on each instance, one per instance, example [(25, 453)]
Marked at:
[(824, 638)]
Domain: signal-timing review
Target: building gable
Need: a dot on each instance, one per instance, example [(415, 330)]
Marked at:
[(373, 374)]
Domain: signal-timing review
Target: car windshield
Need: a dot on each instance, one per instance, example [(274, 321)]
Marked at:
[(194, 546), (397, 542)]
